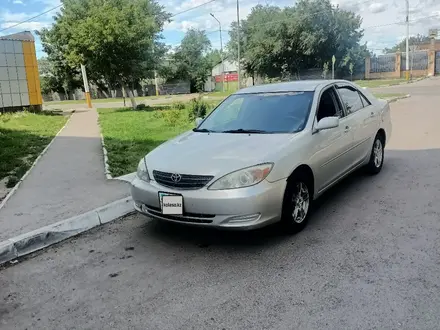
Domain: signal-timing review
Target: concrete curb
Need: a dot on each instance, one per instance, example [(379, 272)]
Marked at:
[(14, 189), (394, 99), (38, 239), (106, 166)]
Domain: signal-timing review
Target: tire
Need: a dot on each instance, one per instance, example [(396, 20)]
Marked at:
[(297, 205), (375, 164)]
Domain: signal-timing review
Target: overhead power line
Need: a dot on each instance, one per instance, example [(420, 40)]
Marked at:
[(192, 8), (30, 19)]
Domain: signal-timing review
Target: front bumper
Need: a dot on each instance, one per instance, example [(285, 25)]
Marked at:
[(244, 208)]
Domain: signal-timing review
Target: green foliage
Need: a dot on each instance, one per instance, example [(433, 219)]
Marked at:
[(172, 117), (142, 106), (130, 135), (401, 46), (114, 39), (198, 108), (23, 135), (189, 60), (178, 105), (56, 76), (303, 36), (214, 57)]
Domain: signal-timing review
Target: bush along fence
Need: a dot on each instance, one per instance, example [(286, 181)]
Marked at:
[(393, 66)]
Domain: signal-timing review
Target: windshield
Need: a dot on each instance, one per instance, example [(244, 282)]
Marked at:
[(260, 113)]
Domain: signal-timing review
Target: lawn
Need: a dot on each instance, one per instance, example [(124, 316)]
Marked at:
[(379, 82), (23, 136)]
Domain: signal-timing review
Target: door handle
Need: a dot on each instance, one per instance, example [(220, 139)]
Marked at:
[(372, 114), (347, 129)]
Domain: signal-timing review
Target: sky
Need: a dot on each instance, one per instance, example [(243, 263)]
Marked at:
[(379, 17)]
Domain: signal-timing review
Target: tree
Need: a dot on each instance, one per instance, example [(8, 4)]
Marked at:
[(56, 77), (304, 36), (401, 46), (118, 41), (214, 57), (190, 59)]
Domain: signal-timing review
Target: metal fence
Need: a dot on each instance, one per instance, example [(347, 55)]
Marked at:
[(437, 63), (383, 63), (418, 60)]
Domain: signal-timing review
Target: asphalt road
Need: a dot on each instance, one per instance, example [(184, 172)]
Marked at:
[(369, 259)]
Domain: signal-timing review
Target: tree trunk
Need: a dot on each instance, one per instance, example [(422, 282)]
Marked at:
[(129, 93)]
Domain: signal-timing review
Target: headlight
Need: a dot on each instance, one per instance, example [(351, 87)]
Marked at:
[(142, 171), (243, 178)]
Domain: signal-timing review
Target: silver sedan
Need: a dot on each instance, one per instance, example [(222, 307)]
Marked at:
[(264, 155)]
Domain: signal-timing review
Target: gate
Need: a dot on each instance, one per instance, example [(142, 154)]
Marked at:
[(437, 63)]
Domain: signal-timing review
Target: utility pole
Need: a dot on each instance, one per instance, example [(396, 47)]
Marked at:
[(221, 52), (407, 39), (86, 86), (238, 42)]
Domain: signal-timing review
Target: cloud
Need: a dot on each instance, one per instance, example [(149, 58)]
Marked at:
[(18, 2), (7, 16), (28, 26), (377, 7)]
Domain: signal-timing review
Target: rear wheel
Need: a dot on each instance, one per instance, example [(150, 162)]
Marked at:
[(377, 155), (297, 205)]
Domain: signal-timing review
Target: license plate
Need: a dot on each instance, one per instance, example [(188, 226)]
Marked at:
[(171, 204)]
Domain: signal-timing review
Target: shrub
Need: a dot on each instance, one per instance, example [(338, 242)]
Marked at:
[(142, 106), (199, 108), (12, 181), (172, 117), (178, 105)]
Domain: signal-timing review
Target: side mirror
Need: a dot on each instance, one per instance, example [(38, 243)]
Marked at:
[(327, 123), (198, 121)]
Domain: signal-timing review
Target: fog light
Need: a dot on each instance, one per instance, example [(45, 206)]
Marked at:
[(244, 218)]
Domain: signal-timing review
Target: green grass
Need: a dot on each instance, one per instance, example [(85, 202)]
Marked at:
[(23, 136), (129, 135), (379, 82)]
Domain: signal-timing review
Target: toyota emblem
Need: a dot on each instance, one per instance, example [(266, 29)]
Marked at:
[(176, 177)]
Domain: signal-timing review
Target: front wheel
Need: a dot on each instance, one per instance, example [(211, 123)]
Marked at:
[(296, 206), (375, 164)]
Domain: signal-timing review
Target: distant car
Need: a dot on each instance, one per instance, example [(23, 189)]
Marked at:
[(263, 155)]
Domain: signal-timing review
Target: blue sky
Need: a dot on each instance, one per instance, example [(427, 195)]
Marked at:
[(425, 14)]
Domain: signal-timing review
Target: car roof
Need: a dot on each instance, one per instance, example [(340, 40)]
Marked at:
[(291, 86)]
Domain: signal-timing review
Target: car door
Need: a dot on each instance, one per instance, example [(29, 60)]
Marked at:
[(358, 121), (329, 155)]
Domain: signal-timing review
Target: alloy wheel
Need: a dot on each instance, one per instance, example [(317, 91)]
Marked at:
[(378, 153), (301, 202)]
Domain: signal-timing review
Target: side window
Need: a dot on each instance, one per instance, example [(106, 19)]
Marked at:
[(329, 105), (365, 101), (351, 98)]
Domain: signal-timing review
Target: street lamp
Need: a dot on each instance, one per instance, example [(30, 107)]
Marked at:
[(221, 51), (238, 44)]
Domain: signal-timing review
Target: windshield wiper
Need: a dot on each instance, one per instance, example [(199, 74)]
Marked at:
[(202, 130), (244, 131)]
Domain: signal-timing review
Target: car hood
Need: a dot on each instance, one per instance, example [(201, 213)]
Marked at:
[(216, 153)]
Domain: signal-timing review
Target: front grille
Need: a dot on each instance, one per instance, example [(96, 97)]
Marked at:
[(186, 181), (156, 211)]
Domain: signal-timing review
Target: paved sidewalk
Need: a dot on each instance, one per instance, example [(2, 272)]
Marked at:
[(68, 180)]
